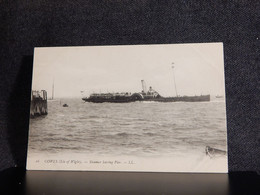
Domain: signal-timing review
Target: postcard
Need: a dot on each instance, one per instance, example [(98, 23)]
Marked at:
[(143, 108)]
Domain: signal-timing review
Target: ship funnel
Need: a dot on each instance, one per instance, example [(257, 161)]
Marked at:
[(144, 86)]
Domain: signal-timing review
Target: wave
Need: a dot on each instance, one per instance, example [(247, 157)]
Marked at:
[(150, 134), (126, 134)]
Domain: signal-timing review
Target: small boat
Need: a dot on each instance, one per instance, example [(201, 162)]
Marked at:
[(65, 105), (214, 152), (219, 96)]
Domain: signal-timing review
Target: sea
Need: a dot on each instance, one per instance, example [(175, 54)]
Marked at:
[(137, 130)]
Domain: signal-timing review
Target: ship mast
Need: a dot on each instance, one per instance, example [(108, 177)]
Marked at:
[(174, 81), (52, 89)]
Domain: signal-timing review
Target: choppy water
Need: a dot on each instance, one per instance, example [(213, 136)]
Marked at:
[(135, 129)]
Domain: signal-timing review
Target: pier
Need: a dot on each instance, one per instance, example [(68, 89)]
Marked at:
[(38, 103)]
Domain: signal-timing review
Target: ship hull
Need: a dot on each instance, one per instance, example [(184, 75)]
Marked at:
[(202, 98), (109, 100)]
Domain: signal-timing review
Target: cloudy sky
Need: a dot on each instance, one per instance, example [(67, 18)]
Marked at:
[(198, 69)]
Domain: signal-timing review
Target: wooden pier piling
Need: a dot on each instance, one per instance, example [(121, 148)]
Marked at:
[(38, 103)]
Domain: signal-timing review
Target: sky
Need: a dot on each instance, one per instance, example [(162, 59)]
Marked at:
[(80, 71)]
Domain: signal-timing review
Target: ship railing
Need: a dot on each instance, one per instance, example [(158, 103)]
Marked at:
[(107, 95)]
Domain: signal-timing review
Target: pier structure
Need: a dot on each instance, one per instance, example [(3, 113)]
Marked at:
[(38, 103)]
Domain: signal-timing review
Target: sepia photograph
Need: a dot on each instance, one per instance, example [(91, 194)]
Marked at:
[(143, 108)]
